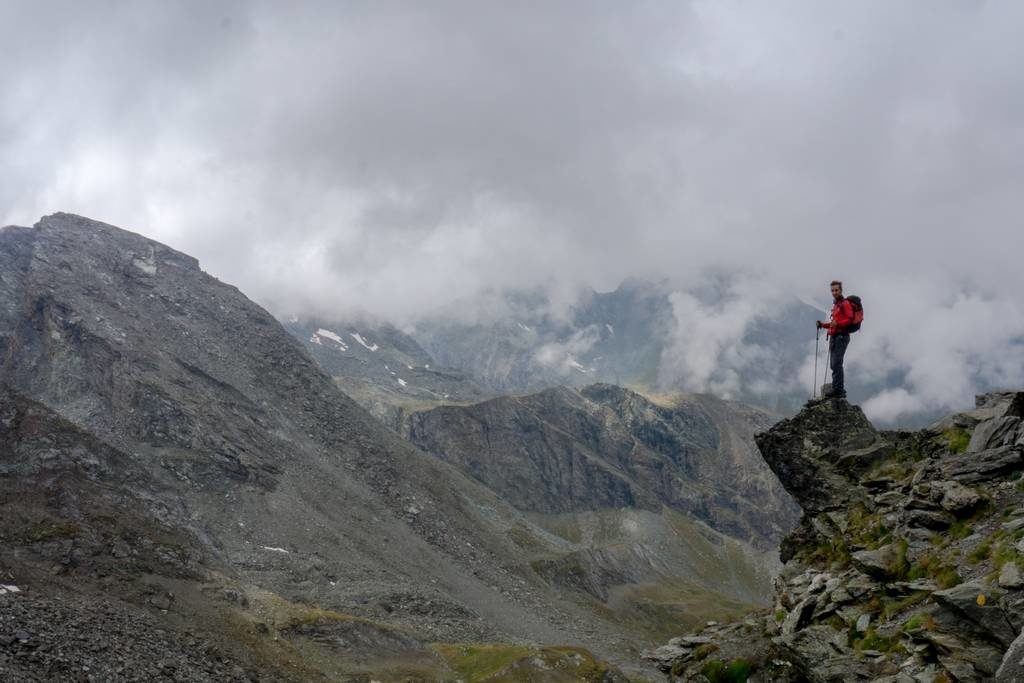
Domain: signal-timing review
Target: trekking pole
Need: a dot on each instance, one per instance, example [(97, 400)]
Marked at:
[(817, 339)]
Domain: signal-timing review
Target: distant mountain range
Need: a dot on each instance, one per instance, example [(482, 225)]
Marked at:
[(626, 337)]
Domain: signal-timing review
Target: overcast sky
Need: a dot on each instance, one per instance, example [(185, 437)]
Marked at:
[(393, 157)]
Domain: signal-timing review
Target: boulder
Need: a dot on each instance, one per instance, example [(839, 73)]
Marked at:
[(878, 564), (957, 498), (927, 519), (665, 656), (1009, 576)]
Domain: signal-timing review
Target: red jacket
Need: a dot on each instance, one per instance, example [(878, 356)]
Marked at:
[(842, 317)]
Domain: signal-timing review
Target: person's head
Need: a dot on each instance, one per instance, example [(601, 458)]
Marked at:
[(837, 290)]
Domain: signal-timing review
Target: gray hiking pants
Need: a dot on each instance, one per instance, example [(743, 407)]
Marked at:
[(836, 350)]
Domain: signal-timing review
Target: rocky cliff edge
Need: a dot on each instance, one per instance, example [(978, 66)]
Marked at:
[(906, 566)]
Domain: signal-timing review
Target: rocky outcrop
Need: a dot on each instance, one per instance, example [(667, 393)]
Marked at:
[(816, 453), (906, 564)]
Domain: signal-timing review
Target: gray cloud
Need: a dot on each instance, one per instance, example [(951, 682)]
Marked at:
[(395, 157)]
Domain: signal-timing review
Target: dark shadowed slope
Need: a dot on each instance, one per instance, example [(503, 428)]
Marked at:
[(605, 447)]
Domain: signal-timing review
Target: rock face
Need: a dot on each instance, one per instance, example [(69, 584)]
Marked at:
[(606, 447), (650, 495), (906, 564)]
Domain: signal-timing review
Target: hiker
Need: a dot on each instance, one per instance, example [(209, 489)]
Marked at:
[(838, 329)]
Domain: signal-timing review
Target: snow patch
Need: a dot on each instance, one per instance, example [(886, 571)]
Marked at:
[(524, 327), (402, 382), (316, 340), (333, 336), (358, 338), (4, 589), (275, 550), (611, 330)]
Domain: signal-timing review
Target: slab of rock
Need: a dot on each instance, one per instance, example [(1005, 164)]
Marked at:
[(890, 498), (1009, 576), (987, 407), (974, 468), (800, 616), (928, 520), (1014, 524), (878, 564), (665, 656), (978, 603), (918, 585), (859, 460), (1001, 431), (1001, 403), (1012, 668)]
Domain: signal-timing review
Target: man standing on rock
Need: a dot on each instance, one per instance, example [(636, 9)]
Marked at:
[(838, 328)]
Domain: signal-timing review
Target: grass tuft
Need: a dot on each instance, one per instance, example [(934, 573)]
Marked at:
[(736, 671), (957, 438)]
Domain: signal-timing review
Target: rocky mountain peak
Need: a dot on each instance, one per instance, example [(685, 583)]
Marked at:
[(906, 565), (161, 434)]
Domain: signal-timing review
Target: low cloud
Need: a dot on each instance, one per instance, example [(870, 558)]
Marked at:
[(391, 158), (564, 357)]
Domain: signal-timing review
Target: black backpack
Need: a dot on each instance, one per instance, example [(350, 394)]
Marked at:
[(858, 313)]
